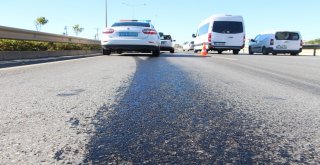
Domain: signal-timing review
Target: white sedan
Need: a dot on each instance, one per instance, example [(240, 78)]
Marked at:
[(131, 35)]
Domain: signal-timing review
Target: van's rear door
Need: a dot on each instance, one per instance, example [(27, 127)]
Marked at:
[(287, 41), (227, 33)]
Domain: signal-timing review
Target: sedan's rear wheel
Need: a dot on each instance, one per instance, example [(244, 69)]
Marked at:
[(106, 52), (156, 53), (235, 52)]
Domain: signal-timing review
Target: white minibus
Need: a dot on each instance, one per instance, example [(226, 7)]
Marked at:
[(221, 33)]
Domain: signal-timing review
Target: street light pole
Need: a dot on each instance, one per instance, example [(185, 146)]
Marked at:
[(106, 13)]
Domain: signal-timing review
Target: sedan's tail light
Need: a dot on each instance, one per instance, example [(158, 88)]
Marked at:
[(149, 31), (108, 31)]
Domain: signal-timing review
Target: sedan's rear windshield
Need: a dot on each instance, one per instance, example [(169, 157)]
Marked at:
[(227, 27), (287, 36), (141, 24)]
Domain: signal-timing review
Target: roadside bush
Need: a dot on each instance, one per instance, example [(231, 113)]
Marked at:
[(20, 45), (316, 41)]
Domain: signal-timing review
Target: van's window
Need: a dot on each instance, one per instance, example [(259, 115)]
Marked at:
[(229, 27), (142, 24), (203, 29), (287, 36)]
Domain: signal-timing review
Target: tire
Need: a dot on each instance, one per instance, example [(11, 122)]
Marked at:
[(294, 54), (106, 52), (195, 51), (250, 51), (219, 51), (156, 53), (235, 52), (274, 54), (172, 51), (119, 52), (264, 51)]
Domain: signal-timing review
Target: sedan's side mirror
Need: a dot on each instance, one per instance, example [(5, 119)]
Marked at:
[(194, 36), (252, 40)]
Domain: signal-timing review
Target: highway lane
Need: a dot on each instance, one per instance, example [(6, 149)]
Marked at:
[(176, 109)]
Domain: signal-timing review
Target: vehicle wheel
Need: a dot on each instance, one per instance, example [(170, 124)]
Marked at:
[(119, 52), (195, 51), (250, 50), (274, 54), (264, 51), (172, 51), (156, 53), (294, 54), (219, 51), (235, 52), (106, 52)]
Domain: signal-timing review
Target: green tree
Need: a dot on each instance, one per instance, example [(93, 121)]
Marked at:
[(39, 22), (77, 29)]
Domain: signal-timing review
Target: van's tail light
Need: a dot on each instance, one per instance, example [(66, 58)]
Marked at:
[(149, 31), (272, 42), (301, 43), (108, 31), (244, 39), (210, 37)]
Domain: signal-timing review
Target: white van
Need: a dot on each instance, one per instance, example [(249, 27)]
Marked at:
[(277, 42), (221, 33)]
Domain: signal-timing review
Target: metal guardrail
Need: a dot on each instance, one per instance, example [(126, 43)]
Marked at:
[(314, 47), (21, 34)]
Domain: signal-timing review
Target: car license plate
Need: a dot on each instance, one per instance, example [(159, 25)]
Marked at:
[(219, 44), (128, 34), (281, 47), (163, 42)]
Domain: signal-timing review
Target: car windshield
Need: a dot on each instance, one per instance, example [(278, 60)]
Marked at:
[(227, 27), (139, 24)]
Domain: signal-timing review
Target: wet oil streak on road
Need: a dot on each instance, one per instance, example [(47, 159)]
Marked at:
[(165, 117)]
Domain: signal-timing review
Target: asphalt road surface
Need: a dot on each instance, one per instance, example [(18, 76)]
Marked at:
[(174, 109)]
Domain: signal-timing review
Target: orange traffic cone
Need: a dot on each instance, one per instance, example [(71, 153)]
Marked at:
[(204, 50)]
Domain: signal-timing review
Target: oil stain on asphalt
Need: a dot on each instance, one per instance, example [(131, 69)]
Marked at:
[(165, 117)]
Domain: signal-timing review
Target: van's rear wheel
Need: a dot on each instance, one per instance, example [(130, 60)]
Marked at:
[(250, 50), (294, 54), (264, 51), (274, 54), (235, 52), (219, 51)]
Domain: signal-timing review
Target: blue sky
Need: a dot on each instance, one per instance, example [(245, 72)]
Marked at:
[(176, 17)]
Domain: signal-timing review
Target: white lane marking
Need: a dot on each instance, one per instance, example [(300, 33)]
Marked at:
[(226, 58)]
